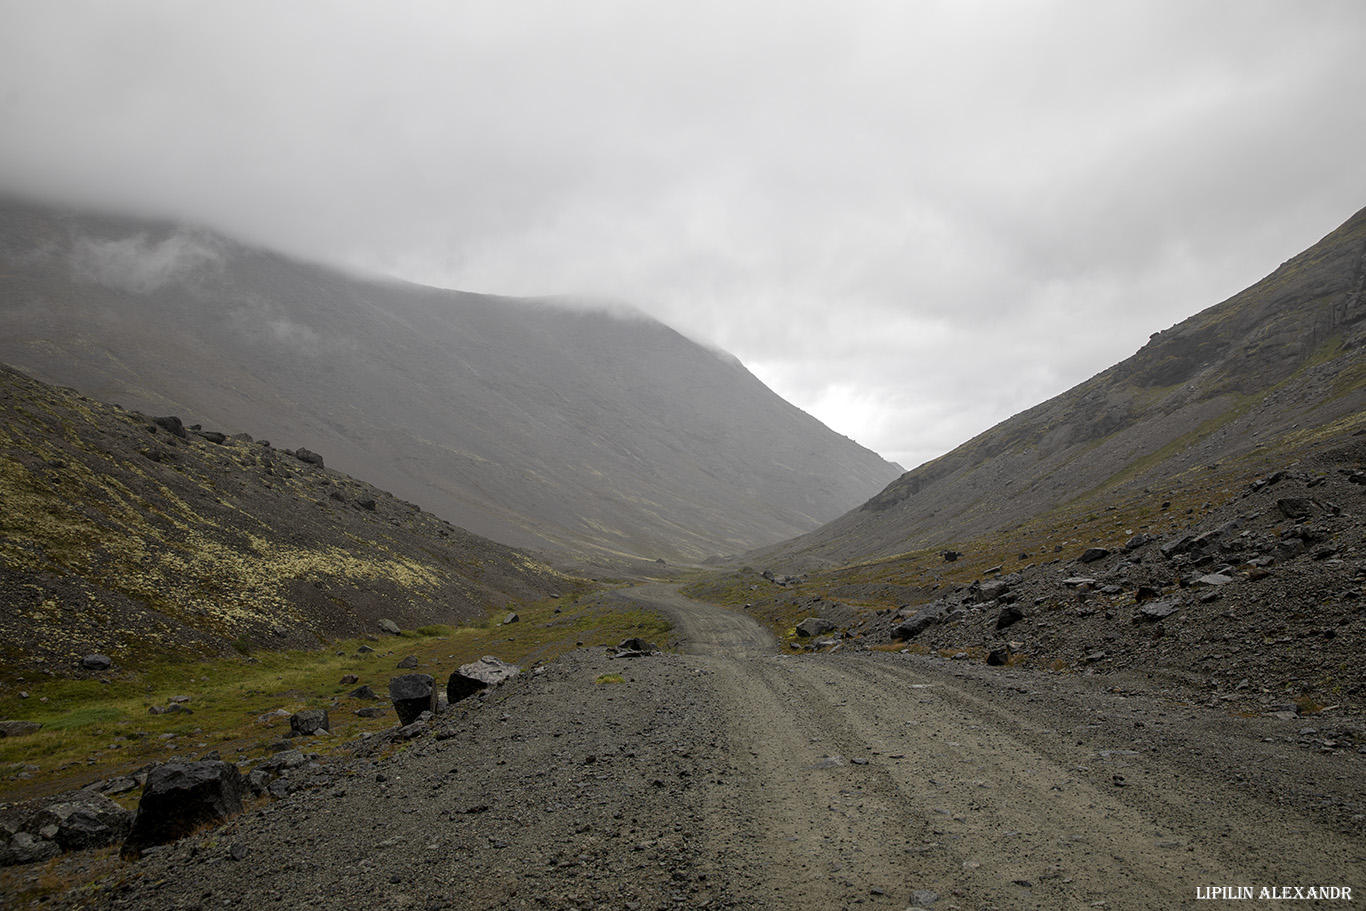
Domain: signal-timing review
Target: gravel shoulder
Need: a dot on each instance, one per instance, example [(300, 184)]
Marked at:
[(726, 776)]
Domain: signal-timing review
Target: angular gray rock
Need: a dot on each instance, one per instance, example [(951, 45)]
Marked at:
[(920, 621), (18, 728), (308, 457), (412, 694), (634, 647), (27, 848), (470, 678), (1295, 507), (179, 798), (97, 662), (1157, 610), (388, 626), (1092, 554), (814, 626), (309, 722), (1009, 617), (408, 663), (90, 821)]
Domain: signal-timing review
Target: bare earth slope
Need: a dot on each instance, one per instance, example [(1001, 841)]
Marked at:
[(527, 422), (1273, 373), (724, 777)]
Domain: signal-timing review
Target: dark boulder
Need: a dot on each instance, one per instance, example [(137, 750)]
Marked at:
[(179, 798), (97, 662), (87, 821), (269, 771), (308, 457), (1295, 507), (998, 657), (634, 647), (1009, 617), (989, 590), (1092, 554), (1178, 544), (408, 663), (172, 425), (413, 694), (920, 620), (1156, 610), (814, 626), (389, 627), (470, 678), (27, 848), (1137, 541), (309, 722)]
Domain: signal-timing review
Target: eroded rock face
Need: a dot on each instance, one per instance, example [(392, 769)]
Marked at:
[(179, 798), (477, 675)]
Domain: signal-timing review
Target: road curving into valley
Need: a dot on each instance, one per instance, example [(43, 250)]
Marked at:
[(730, 776)]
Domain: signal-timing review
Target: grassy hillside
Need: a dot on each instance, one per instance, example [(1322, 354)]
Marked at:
[(130, 536)]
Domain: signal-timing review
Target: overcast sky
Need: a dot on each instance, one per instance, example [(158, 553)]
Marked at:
[(911, 219)]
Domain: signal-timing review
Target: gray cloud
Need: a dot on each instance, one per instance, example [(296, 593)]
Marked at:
[(910, 219)]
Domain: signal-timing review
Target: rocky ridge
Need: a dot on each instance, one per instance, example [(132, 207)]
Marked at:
[(1255, 605), (1272, 375)]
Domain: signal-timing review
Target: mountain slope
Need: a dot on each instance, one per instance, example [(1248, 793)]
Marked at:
[(123, 534), (531, 423), (1272, 373)]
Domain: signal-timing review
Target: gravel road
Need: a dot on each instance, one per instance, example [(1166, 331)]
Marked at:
[(727, 776)]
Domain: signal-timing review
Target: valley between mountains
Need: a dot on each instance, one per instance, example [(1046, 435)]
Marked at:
[(725, 775)]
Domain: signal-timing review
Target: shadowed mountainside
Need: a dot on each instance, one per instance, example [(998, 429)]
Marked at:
[(533, 423), (123, 534), (1270, 374)]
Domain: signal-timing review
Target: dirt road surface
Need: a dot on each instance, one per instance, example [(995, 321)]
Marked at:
[(728, 776)]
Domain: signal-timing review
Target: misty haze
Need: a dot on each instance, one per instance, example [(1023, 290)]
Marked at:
[(682, 456)]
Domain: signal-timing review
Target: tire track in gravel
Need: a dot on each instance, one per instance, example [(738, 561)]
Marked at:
[(868, 777)]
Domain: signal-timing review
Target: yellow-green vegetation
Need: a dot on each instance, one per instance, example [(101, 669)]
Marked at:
[(172, 565), (609, 678), (93, 730)]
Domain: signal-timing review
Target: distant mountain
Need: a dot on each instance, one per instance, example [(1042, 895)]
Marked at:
[(124, 535), (530, 422), (1269, 375)]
